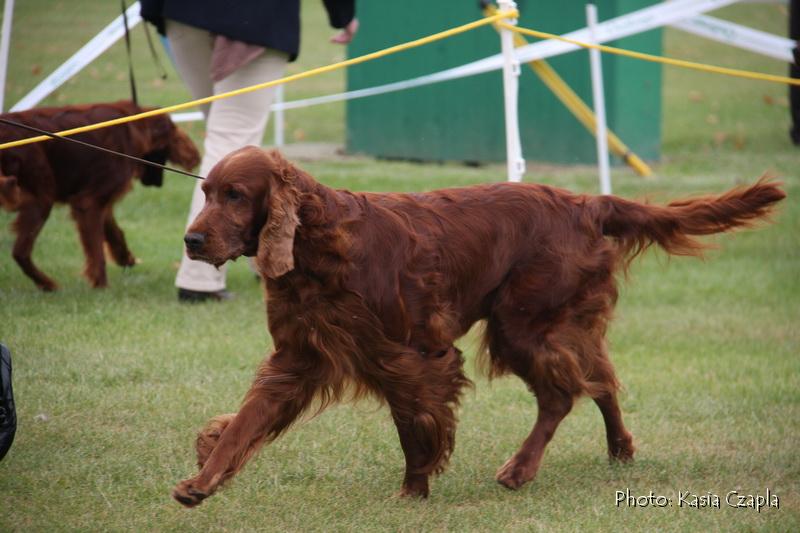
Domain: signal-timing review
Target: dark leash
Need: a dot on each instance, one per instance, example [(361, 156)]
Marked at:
[(134, 96), (95, 147), (154, 55), (162, 72)]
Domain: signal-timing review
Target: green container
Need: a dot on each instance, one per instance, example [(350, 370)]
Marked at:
[(462, 120)]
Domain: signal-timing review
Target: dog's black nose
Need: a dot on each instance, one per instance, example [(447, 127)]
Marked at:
[(194, 241)]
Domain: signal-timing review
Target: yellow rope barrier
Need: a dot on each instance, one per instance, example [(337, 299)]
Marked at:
[(307, 74), (657, 59)]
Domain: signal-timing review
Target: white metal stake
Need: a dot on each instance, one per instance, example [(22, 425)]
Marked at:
[(598, 98), (278, 118), (516, 165), (5, 40)]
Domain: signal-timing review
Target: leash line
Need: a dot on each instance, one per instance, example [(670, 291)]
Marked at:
[(134, 95), (51, 135), (302, 75)]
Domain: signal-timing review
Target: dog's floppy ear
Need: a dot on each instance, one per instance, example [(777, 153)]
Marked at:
[(182, 150), (276, 240), (154, 176)]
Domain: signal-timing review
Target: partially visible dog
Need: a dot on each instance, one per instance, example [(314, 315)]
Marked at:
[(366, 294), (34, 177)]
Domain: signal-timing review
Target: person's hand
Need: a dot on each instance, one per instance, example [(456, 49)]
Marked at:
[(346, 35)]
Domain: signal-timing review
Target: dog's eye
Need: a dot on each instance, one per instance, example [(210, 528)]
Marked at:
[(233, 195)]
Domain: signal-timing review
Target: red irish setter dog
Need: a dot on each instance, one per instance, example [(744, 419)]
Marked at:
[(366, 294), (34, 177)]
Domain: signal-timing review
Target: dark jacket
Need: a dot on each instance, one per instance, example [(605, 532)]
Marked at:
[(270, 23)]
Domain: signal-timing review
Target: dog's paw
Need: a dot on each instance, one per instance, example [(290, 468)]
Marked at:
[(47, 285), (188, 494), (414, 491), (208, 437), (514, 473), (97, 280), (129, 261), (621, 450)]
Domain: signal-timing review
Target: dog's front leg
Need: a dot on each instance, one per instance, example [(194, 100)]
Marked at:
[(422, 394), (29, 223), (279, 394)]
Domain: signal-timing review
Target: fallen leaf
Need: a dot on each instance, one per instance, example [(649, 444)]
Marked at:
[(768, 99), (36, 70), (695, 96)]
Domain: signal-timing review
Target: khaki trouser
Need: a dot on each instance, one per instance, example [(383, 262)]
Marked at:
[(231, 123)]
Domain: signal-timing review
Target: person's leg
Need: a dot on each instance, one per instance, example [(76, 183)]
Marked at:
[(191, 49), (231, 123)]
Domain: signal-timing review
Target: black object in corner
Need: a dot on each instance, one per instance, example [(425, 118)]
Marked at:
[(8, 415)]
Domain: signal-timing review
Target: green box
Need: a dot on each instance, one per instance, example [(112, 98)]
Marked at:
[(462, 120)]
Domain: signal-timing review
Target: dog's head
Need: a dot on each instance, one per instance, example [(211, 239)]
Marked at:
[(251, 209)]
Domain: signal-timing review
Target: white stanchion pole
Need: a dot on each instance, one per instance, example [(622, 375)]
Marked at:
[(515, 163), (5, 41), (598, 98), (278, 112)]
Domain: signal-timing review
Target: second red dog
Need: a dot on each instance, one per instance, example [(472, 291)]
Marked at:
[(34, 177)]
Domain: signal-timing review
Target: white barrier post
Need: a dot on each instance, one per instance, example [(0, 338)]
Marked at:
[(515, 163), (5, 41), (278, 118), (598, 98), (727, 32)]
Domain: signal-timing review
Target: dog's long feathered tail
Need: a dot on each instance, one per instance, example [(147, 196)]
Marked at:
[(636, 226)]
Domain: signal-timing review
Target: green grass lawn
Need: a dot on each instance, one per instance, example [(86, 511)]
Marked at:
[(111, 385)]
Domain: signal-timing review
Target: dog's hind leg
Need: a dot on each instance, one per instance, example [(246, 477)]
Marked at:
[(620, 440), (551, 333), (209, 436), (561, 361), (115, 239), (28, 224), (89, 219), (554, 401)]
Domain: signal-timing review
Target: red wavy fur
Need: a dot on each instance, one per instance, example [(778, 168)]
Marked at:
[(366, 294)]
